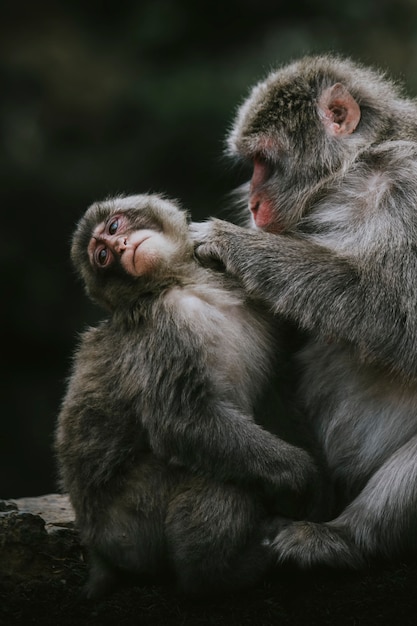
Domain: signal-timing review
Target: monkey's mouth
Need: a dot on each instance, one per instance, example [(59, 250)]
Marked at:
[(133, 258), (263, 214), (137, 245)]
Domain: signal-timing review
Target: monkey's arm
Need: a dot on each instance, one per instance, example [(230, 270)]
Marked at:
[(191, 423), (368, 304)]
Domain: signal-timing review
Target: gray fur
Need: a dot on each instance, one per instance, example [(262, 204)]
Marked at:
[(156, 439), (343, 266)]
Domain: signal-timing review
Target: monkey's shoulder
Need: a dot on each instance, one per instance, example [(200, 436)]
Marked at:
[(203, 298), (106, 350), (94, 338), (217, 308), (354, 218), (386, 170)]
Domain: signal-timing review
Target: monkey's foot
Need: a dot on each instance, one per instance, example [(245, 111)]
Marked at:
[(308, 544), (102, 580)]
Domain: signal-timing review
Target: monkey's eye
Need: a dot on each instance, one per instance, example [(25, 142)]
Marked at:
[(113, 226), (102, 256)]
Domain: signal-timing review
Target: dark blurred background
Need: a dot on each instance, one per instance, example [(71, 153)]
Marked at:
[(98, 98)]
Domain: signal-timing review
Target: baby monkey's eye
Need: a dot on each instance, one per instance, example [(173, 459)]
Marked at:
[(113, 226), (102, 256)]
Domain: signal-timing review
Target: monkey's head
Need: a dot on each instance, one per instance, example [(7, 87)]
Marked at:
[(301, 126), (125, 247)]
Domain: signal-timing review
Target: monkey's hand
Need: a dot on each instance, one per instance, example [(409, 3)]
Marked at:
[(211, 240), (298, 493)]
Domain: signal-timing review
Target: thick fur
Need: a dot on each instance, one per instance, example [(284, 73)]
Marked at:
[(342, 264), (156, 439)]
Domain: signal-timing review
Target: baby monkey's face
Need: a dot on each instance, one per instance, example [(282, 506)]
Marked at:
[(137, 250)]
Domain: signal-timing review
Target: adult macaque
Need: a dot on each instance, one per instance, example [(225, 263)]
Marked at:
[(333, 199), (156, 440)]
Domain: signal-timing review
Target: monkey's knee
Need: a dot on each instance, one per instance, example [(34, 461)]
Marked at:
[(124, 552), (216, 572), (116, 566), (215, 540)]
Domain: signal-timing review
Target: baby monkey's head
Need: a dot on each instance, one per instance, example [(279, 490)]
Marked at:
[(125, 247)]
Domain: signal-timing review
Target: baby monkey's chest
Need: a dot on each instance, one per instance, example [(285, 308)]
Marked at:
[(237, 342)]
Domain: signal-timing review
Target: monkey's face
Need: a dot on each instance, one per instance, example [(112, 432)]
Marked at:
[(129, 246), (297, 128), (139, 252)]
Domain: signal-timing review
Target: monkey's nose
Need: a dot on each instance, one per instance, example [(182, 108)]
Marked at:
[(121, 244)]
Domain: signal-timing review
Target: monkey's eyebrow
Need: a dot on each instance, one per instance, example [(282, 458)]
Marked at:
[(99, 238), (98, 230)]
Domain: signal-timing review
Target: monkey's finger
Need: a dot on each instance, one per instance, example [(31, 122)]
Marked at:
[(201, 231), (208, 256)]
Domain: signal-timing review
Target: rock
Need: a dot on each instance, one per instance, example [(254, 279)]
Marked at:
[(42, 573), (38, 539)]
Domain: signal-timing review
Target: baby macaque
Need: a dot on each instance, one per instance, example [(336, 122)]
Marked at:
[(157, 442)]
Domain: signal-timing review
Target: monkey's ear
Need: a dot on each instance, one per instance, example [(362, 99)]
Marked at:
[(339, 110)]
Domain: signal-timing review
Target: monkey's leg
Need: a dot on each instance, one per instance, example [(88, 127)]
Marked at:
[(102, 577), (127, 540), (215, 538), (132, 550), (380, 522)]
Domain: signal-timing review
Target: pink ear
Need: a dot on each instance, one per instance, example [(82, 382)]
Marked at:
[(339, 110)]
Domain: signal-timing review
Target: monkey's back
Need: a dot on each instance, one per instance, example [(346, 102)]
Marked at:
[(137, 366)]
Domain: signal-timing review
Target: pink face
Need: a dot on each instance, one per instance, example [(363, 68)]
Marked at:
[(138, 251), (260, 204)]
